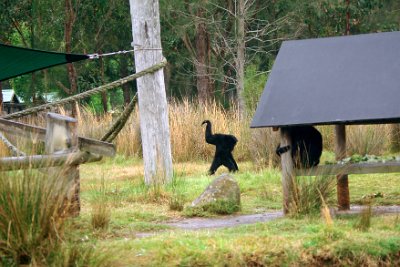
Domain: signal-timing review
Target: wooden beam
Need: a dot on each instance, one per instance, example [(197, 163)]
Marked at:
[(96, 147), (354, 168), (39, 133), (45, 161)]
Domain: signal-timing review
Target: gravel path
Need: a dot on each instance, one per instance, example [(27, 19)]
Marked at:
[(235, 220), (226, 221), (231, 221)]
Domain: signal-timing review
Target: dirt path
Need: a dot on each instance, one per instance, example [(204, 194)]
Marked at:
[(231, 221), (225, 221), (236, 220)]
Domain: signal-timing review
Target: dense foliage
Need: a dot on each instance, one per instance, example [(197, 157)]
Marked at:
[(201, 40)]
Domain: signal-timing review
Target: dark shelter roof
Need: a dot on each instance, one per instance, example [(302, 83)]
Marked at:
[(15, 61), (339, 80)]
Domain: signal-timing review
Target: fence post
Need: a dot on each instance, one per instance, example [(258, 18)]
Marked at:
[(343, 192), (61, 137), (288, 174)]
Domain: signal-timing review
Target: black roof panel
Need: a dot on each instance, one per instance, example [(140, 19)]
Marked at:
[(338, 80)]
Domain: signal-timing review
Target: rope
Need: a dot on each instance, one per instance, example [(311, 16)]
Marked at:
[(14, 150), (120, 123), (93, 91)]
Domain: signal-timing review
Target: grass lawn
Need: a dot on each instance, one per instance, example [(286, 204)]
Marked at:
[(311, 240)]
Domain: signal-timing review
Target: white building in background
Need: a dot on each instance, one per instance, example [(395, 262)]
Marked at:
[(11, 102)]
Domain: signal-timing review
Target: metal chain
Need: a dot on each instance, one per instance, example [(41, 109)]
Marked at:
[(97, 55)]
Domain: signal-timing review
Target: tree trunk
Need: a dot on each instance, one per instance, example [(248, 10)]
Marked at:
[(104, 99), (153, 105), (240, 58), (201, 61), (126, 86), (69, 23)]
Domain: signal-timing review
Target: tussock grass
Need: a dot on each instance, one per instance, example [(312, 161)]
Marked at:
[(33, 210), (101, 214), (310, 194), (364, 221), (80, 254)]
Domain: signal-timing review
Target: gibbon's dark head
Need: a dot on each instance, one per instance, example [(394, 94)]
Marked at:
[(205, 121)]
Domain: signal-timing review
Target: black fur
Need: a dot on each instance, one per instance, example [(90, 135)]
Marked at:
[(224, 145), (306, 146)]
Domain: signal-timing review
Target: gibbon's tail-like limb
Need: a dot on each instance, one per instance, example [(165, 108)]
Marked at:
[(224, 145)]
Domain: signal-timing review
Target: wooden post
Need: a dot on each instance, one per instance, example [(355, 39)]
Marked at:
[(61, 137), (288, 173), (343, 193), (153, 106)]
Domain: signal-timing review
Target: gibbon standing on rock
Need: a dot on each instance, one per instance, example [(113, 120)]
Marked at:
[(224, 145)]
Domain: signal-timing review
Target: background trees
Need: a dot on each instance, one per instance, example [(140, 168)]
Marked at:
[(216, 49)]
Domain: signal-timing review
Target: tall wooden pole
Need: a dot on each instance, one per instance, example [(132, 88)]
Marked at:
[(287, 172), (343, 193), (240, 56), (153, 107)]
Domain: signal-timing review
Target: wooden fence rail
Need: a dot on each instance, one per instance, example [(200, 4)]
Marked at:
[(39, 133), (45, 161), (64, 149), (351, 168)]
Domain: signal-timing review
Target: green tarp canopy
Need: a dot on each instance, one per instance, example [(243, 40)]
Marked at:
[(15, 61)]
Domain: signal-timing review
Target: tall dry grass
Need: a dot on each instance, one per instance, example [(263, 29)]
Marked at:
[(368, 139), (187, 134)]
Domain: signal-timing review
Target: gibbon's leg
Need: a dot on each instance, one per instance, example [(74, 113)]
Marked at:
[(230, 162), (215, 164), (234, 162)]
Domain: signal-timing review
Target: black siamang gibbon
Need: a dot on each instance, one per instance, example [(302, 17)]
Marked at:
[(224, 145), (306, 146)]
